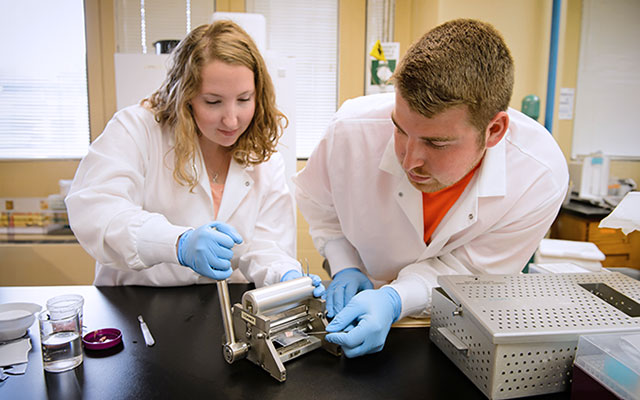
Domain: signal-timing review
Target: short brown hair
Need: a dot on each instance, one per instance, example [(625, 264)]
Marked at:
[(461, 62), (223, 41)]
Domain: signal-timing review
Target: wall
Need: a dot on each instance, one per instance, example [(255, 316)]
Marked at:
[(45, 264), (352, 18)]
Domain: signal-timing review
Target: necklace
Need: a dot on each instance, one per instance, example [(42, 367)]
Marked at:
[(222, 166), (213, 176)]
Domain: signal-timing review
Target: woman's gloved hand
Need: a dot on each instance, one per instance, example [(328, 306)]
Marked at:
[(315, 280), (207, 250), (343, 287), (372, 312)]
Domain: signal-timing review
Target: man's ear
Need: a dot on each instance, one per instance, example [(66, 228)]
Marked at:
[(497, 128)]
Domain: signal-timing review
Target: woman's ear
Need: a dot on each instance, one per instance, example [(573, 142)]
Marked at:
[(497, 128)]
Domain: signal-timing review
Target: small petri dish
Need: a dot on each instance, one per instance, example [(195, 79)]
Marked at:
[(102, 339)]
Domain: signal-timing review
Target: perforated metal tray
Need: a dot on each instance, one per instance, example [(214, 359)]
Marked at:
[(516, 335)]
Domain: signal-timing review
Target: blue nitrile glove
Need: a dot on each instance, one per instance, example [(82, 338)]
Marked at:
[(207, 250), (373, 312), (315, 280), (343, 287)]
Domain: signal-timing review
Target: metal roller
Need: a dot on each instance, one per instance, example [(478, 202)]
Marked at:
[(271, 298)]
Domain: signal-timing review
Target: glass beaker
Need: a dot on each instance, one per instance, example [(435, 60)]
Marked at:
[(61, 340)]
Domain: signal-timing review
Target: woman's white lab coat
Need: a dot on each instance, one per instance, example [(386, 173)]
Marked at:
[(127, 210), (363, 212)]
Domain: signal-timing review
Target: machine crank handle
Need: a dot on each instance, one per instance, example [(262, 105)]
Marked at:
[(231, 349)]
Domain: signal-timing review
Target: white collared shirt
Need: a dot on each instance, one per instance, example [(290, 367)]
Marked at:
[(363, 212), (127, 210)]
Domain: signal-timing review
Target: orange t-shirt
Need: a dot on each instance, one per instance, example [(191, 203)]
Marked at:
[(436, 205)]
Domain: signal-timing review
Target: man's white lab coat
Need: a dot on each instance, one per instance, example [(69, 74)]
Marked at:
[(363, 212), (127, 210)]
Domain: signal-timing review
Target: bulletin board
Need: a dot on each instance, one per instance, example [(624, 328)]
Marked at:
[(607, 113)]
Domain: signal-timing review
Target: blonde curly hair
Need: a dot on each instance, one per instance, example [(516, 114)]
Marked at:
[(222, 41)]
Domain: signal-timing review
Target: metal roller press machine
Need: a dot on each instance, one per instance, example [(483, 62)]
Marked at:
[(274, 324)]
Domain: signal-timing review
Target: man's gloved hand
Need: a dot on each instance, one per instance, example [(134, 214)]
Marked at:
[(207, 250), (372, 312), (343, 287), (315, 279)]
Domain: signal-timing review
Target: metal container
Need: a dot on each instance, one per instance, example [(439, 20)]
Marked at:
[(516, 335), (165, 46)]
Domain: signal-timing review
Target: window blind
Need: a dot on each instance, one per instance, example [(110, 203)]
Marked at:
[(44, 111), (307, 31)]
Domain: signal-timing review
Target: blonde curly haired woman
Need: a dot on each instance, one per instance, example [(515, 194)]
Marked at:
[(187, 187)]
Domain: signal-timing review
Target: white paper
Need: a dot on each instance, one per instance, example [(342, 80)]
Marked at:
[(570, 249), (15, 352), (16, 369), (625, 216), (565, 103)]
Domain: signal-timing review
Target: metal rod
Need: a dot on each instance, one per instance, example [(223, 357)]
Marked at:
[(553, 64), (275, 325), (225, 308)]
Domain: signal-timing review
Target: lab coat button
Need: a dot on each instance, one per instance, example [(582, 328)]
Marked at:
[(470, 216), (400, 194), (246, 183)]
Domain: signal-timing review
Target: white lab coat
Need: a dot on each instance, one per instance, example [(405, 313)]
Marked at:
[(127, 210), (363, 212)]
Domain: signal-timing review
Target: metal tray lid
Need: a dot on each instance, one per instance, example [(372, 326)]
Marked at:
[(546, 307)]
